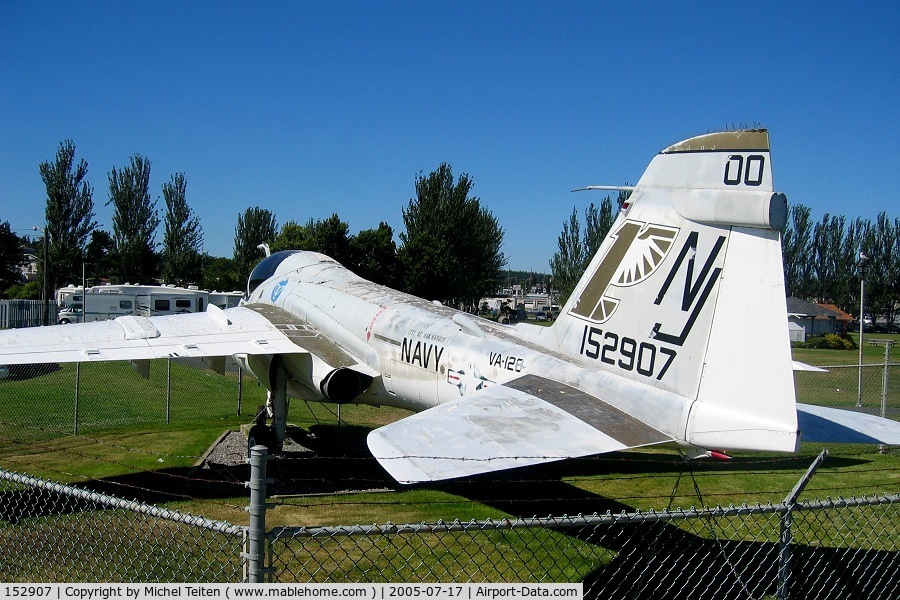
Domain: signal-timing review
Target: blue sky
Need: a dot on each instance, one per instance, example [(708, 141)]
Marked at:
[(309, 109)]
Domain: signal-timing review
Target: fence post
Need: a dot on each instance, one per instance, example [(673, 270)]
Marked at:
[(168, 388), (888, 344), (787, 520), (256, 551), (77, 389), (240, 388)]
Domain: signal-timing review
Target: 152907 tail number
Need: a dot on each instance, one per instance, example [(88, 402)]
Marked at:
[(626, 353)]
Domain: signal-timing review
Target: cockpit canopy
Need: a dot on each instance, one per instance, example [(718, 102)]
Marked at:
[(266, 268)]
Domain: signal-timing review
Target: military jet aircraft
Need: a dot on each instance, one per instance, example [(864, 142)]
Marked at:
[(676, 334)]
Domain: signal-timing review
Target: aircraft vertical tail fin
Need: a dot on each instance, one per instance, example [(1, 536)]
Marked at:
[(686, 293)]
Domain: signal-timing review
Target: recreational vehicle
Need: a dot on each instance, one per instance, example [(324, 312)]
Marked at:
[(104, 302)]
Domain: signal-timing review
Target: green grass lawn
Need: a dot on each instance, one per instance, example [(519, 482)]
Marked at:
[(872, 353)]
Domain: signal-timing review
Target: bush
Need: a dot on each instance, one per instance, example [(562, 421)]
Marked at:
[(30, 290), (831, 341)]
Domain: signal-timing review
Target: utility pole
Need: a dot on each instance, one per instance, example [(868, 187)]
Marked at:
[(863, 261), (44, 296)]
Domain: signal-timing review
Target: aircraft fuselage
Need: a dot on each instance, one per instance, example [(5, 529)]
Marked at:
[(425, 354)]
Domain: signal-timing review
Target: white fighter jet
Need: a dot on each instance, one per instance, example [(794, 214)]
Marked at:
[(676, 334)]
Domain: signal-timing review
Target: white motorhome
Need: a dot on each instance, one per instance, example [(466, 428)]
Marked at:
[(226, 299), (103, 302)]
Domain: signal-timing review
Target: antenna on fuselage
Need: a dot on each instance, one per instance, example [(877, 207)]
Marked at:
[(610, 188)]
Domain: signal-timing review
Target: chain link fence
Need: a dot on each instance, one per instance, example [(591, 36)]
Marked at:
[(838, 549), (844, 548), (44, 401), (839, 387), (57, 533)]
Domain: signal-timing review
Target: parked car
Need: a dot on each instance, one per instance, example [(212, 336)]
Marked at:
[(29, 371), (512, 315)]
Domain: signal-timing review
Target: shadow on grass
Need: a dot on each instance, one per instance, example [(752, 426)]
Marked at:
[(664, 561)]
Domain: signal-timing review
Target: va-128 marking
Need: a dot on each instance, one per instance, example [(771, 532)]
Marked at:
[(508, 362)]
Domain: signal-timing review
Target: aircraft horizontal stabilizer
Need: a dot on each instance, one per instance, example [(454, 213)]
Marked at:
[(527, 421), (822, 424), (800, 366)]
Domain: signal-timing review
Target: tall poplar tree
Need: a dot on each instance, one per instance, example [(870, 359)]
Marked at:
[(255, 226), (182, 260), (796, 244), (69, 216), (134, 221), (575, 250), (567, 264)]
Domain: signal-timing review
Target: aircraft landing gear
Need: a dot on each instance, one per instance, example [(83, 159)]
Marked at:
[(276, 407), (260, 433)]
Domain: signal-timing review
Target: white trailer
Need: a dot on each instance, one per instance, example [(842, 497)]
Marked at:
[(103, 302), (226, 299)]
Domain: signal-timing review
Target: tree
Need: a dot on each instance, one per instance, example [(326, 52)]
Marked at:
[(568, 263), (823, 266), (878, 244), (576, 251), (893, 272), (330, 237), (371, 253), (99, 256), (294, 236), (134, 221), (254, 227), (451, 247), (796, 246), (29, 290), (845, 285), (12, 258), (68, 215), (375, 255), (827, 235), (219, 274), (183, 238), (597, 225)]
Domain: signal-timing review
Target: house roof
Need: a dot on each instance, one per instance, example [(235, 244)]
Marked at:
[(838, 313), (801, 308)]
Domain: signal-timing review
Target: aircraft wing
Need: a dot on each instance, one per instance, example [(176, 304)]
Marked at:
[(527, 421), (215, 332), (823, 424)]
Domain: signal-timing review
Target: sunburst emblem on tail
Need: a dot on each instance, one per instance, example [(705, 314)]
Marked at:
[(636, 252)]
